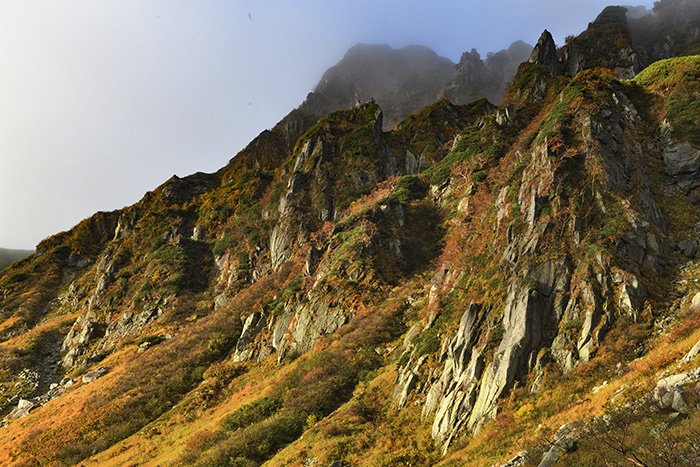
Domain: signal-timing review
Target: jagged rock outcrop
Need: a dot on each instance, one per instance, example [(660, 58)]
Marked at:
[(76, 341), (316, 178), (385, 74), (452, 397), (626, 42), (82, 336), (311, 321), (517, 461), (671, 29), (303, 320), (692, 353), (251, 327), (606, 42), (283, 235), (670, 393), (130, 323), (545, 310), (476, 78), (25, 406), (529, 320), (682, 163), (406, 382), (564, 441), (545, 54)]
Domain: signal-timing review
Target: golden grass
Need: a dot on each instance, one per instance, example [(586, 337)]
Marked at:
[(20, 341), (165, 448), (71, 405), (8, 323), (390, 440)]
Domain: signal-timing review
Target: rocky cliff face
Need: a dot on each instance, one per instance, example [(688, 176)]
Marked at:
[(626, 41), (476, 270), (558, 307)]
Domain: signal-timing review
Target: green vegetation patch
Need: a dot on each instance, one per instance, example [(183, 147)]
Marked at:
[(409, 188), (678, 79), (479, 144), (251, 413), (293, 291), (427, 130)]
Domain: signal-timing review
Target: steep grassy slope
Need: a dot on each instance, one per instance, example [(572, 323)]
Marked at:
[(179, 274)]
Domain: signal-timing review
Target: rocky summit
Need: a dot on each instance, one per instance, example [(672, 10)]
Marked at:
[(421, 264)]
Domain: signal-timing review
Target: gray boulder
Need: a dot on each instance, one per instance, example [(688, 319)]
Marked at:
[(91, 376), (517, 461), (406, 383), (692, 353), (681, 158), (688, 247), (669, 393), (23, 408), (252, 325), (682, 163), (564, 441)]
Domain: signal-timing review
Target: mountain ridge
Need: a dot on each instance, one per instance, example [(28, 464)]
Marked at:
[(461, 286)]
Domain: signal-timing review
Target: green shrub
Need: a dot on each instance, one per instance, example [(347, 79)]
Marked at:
[(169, 254), (409, 188), (219, 343), (479, 176), (403, 359), (258, 442), (573, 324), (244, 261), (226, 242), (251, 413), (428, 342), (292, 291), (17, 277)]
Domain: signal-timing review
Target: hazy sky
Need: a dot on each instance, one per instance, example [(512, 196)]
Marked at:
[(101, 101)]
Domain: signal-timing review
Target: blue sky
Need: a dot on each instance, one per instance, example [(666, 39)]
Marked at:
[(102, 101)]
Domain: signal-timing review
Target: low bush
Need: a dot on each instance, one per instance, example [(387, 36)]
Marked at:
[(251, 413)]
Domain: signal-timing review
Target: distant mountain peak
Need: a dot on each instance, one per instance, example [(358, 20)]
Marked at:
[(477, 78), (409, 78), (8, 256)]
